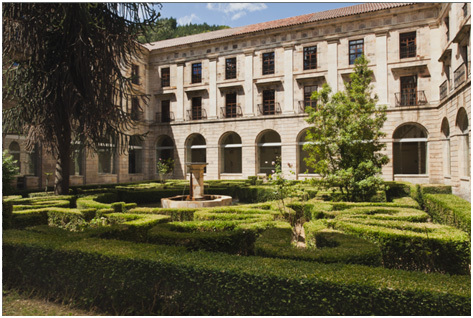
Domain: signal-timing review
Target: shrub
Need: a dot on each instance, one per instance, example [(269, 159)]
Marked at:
[(9, 170), (449, 209), (276, 243), (395, 189), (413, 246), (436, 189), (175, 214), (42, 204), (142, 279)]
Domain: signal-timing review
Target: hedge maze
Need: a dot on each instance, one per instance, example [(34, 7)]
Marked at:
[(111, 249)]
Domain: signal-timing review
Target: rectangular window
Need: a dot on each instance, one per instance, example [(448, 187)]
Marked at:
[(106, 159), (165, 111), (135, 74), (268, 102), (447, 25), (77, 156), (135, 109), (356, 48), (407, 45), (409, 90), (196, 108), (310, 58), (308, 90), (196, 73), (230, 105), (230, 68), (268, 63), (165, 77)]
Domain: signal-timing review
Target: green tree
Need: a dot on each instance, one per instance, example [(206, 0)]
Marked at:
[(9, 171), (64, 75), (345, 136)]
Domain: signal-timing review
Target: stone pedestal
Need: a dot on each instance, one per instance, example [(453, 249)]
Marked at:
[(196, 170)]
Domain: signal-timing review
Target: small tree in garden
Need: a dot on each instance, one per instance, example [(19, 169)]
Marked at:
[(345, 136), (9, 170), (164, 166)]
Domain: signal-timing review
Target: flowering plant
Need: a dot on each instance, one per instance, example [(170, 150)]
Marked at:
[(163, 167)]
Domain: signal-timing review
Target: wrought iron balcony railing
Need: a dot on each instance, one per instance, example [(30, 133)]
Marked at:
[(164, 117), (443, 90), (269, 109), (410, 98), (231, 111), (303, 104), (196, 114), (459, 76)]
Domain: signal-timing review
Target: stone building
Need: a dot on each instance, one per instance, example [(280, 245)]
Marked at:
[(235, 98)]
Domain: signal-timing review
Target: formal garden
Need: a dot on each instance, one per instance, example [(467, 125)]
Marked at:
[(277, 250)]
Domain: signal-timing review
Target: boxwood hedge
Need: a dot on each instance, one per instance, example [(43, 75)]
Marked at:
[(127, 278), (449, 209)]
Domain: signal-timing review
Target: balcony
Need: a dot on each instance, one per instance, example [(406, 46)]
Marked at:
[(162, 118), (443, 90), (303, 104), (459, 76), (196, 114), (410, 98), (231, 112), (269, 109)]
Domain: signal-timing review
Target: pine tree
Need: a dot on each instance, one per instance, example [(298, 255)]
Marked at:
[(63, 74), (345, 136)]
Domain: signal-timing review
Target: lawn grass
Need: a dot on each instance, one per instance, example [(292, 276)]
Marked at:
[(15, 303)]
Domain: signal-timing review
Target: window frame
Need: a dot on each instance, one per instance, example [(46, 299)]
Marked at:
[(135, 74), (196, 108), (231, 68), (268, 63), (310, 58), (269, 105), (407, 40), (165, 77), (196, 75), (231, 105), (356, 54)]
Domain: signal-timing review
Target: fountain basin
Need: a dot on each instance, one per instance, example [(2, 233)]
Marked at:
[(182, 201)]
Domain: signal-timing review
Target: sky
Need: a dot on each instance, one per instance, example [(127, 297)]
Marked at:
[(236, 14)]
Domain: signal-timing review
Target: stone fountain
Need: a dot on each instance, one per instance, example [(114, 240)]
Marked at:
[(196, 197)]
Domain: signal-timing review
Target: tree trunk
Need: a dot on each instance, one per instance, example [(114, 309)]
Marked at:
[(63, 164)]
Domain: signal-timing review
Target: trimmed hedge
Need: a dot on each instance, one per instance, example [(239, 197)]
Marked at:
[(413, 246), (449, 209), (42, 204), (276, 243), (7, 214), (70, 219), (141, 279), (175, 214)]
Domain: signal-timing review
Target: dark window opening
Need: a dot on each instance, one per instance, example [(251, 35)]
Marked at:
[(268, 63), (310, 58), (135, 109), (308, 90), (407, 45), (409, 90), (165, 111), (356, 50), (230, 68), (135, 74), (196, 72), (268, 102), (230, 105), (165, 77), (196, 108)]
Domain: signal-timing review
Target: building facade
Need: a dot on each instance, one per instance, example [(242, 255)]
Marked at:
[(235, 98)]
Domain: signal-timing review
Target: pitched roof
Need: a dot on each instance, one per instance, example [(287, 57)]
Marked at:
[(306, 18)]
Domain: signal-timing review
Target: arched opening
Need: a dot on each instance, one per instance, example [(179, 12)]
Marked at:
[(410, 149), (302, 154), (464, 156), (231, 153), (135, 155), (14, 150), (268, 151), (445, 129), (196, 148), (164, 149)]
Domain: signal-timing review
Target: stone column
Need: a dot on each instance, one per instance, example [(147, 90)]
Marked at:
[(197, 180), (382, 68), (332, 59), (212, 110), (435, 67), (179, 109), (248, 109), (288, 106)]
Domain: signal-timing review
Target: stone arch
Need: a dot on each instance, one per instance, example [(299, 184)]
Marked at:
[(410, 149), (302, 166), (196, 148), (268, 146), (463, 128), (230, 147)]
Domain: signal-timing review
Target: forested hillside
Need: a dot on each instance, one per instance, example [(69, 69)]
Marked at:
[(167, 28)]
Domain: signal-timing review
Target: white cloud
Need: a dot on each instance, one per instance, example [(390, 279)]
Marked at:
[(237, 10), (187, 19)]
